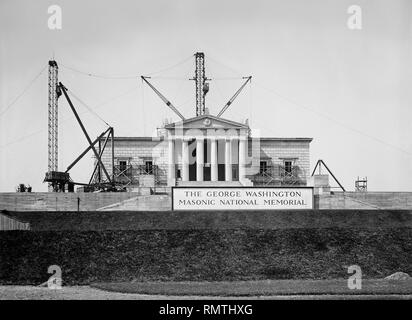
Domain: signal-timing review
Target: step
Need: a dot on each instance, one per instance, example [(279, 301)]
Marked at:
[(209, 184)]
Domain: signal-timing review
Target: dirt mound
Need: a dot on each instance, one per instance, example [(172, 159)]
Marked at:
[(399, 276)]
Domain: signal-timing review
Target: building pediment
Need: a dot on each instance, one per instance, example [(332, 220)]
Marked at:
[(206, 122)]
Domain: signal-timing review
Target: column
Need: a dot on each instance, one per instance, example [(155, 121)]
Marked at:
[(199, 158), (242, 158), (185, 160), (171, 175), (213, 159), (228, 159)]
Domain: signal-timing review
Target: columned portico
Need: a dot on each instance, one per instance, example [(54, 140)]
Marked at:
[(228, 159), (242, 158), (171, 175), (199, 158), (185, 159), (213, 159), (219, 147)]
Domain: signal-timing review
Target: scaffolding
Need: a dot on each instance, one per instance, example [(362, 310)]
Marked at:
[(129, 175), (278, 175), (319, 165), (361, 185)]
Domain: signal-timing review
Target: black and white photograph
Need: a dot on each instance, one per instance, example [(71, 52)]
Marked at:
[(220, 152)]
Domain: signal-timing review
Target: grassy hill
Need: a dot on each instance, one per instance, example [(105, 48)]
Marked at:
[(196, 246)]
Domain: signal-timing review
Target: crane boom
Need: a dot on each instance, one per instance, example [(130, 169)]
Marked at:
[(234, 96), (164, 99), (64, 90)]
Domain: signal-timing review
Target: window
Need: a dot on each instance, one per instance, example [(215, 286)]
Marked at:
[(148, 166), (263, 167), (288, 166), (122, 165)]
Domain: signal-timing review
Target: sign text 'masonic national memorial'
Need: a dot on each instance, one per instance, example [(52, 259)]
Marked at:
[(241, 198)]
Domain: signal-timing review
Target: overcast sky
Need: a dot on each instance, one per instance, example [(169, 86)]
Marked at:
[(350, 90)]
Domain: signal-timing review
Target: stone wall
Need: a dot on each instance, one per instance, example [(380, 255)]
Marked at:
[(45, 201), (364, 200), (52, 201)]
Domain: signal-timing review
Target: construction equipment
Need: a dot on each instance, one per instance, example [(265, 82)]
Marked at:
[(53, 96), (60, 180), (100, 178), (319, 167), (202, 88), (227, 105), (23, 188), (164, 99), (361, 185)]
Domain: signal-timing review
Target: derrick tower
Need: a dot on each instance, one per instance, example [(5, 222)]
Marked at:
[(53, 118), (202, 87)]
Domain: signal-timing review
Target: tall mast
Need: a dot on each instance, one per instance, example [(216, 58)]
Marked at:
[(53, 118), (201, 86)]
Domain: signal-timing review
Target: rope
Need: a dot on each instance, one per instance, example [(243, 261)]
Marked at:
[(171, 67), (129, 76), (99, 75), (320, 114), (64, 120), (23, 92), (143, 106), (87, 107), (226, 78), (171, 78), (224, 65)]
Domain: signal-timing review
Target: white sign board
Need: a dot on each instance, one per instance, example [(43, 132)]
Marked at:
[(241, 198)]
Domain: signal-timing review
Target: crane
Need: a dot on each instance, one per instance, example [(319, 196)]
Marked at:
[(202, 88), (164, 99), (227, 105), (59, 180)]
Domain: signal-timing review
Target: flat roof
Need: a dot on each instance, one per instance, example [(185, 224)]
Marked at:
[(137, 138), (300, 139), (286, 139)]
